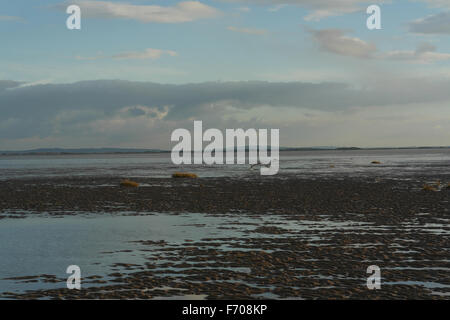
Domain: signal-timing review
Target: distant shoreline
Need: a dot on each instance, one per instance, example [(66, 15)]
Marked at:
[(58, 151)]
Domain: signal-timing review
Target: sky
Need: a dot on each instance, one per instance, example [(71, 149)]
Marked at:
[(139, 69)]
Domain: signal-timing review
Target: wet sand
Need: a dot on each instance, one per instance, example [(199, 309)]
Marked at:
[(322, 236)]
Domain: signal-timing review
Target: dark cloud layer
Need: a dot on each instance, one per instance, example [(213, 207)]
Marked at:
[(107, 96), (65, 109)]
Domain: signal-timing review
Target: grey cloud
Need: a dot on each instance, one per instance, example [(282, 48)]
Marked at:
[(319, 8), (185, 11), (136, 112), (425, 53), (105, 97), (101, 108), (7, 84), (335, 41), (433, 24)]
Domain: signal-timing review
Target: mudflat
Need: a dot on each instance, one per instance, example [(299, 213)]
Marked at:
[(321, 236)]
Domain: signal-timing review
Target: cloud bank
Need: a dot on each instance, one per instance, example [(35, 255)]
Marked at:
[(142, 114)]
